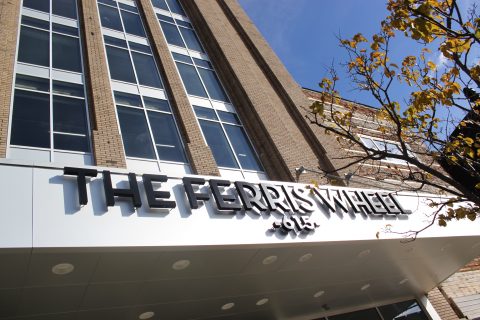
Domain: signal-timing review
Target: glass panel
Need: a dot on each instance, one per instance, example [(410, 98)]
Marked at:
[(228, 117), (72, 143), (42, 24), (167, 141), (69, 115), (408, 310), (32, 83), (34, 47), (41, 5), (214, 88), (175, 7), (30, 119), (139, 47), (136, 137), (128, 99), (367, 142), (120, 65), (66, 53), (191, 80), (65, 29), (65, 8), (110, 17), (165, 18), (157, 104), (183, 23), (161, 4), (205, 113), (242, 147), (69, 89), (132, 23), (191, 39), (115, 41), (369, 314), (202, 63), (127, 7), (393, 148), (181, 57), (218, 143), (172, 35), (110, 2), (146, 70)]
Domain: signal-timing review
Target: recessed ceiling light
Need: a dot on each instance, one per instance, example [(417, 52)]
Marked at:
[(228, 306), (365, 287), (261, 302), (305, 257), (403, 281), (364, 253), (181, 264), (269, 260), (63, 268), (319, 294), (146, 315)]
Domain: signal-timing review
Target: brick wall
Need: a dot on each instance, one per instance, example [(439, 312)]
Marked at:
[(106, 140), (441, 305), (9, 17)]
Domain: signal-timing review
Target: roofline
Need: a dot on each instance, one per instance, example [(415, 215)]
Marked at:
[(359, 103)]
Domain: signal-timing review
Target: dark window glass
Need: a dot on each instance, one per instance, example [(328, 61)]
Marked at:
[(38, 23), (72, 143), (175, 7), (206, 113), (139, 47), (127, 7), (135, 135), (408, 310), (115, 41), (120, 65), (166, 137), (218, 143), (191, 39), (191, 80), (69, 115), (65, 8), (214, 88), (31, 119), (110, 17), (146, 70), (242, 147), (64, 29), (128, 99), (68, 89), (132, 23), (202, 63), (160, 4), (41, 5), (172, 35), (228, 117), (368, 314), (183, 23), (181, 57), (34, 83), (66, 53), (156, 104), (34, 47), (165, 18), (110, 2)]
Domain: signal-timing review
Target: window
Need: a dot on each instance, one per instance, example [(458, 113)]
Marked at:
[(173, 6), (382, 145), (179, 33), (112, 14), (148, 128)]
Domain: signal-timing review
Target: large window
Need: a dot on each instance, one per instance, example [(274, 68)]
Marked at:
[(49, 107), (121, 17), (408, 310), (179, 33), (386, 146)]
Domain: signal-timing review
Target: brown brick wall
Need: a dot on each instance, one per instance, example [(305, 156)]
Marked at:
[(199, 154), (279, 142), (441, 305), (106, 139), (9, 15)]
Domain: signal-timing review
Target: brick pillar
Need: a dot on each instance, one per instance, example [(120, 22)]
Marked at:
[(278, 140), (441, 305), (9, 17), (106, 139), (199, 154)]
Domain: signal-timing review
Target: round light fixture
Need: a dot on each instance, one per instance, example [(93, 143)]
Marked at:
[(228, 306), (62, 268), (261, 302), (181, 264), (364, 253), (365, 287), (305, 257), (269, 260), (403, 281), (319, 294), (146, 315)]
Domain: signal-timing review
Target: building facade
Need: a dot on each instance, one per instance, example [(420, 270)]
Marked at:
[(150, 154)]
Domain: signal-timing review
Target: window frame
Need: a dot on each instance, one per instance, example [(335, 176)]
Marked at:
[(387, 159)]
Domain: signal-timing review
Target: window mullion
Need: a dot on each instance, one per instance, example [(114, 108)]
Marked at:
[(150, 132), (52, 149)]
